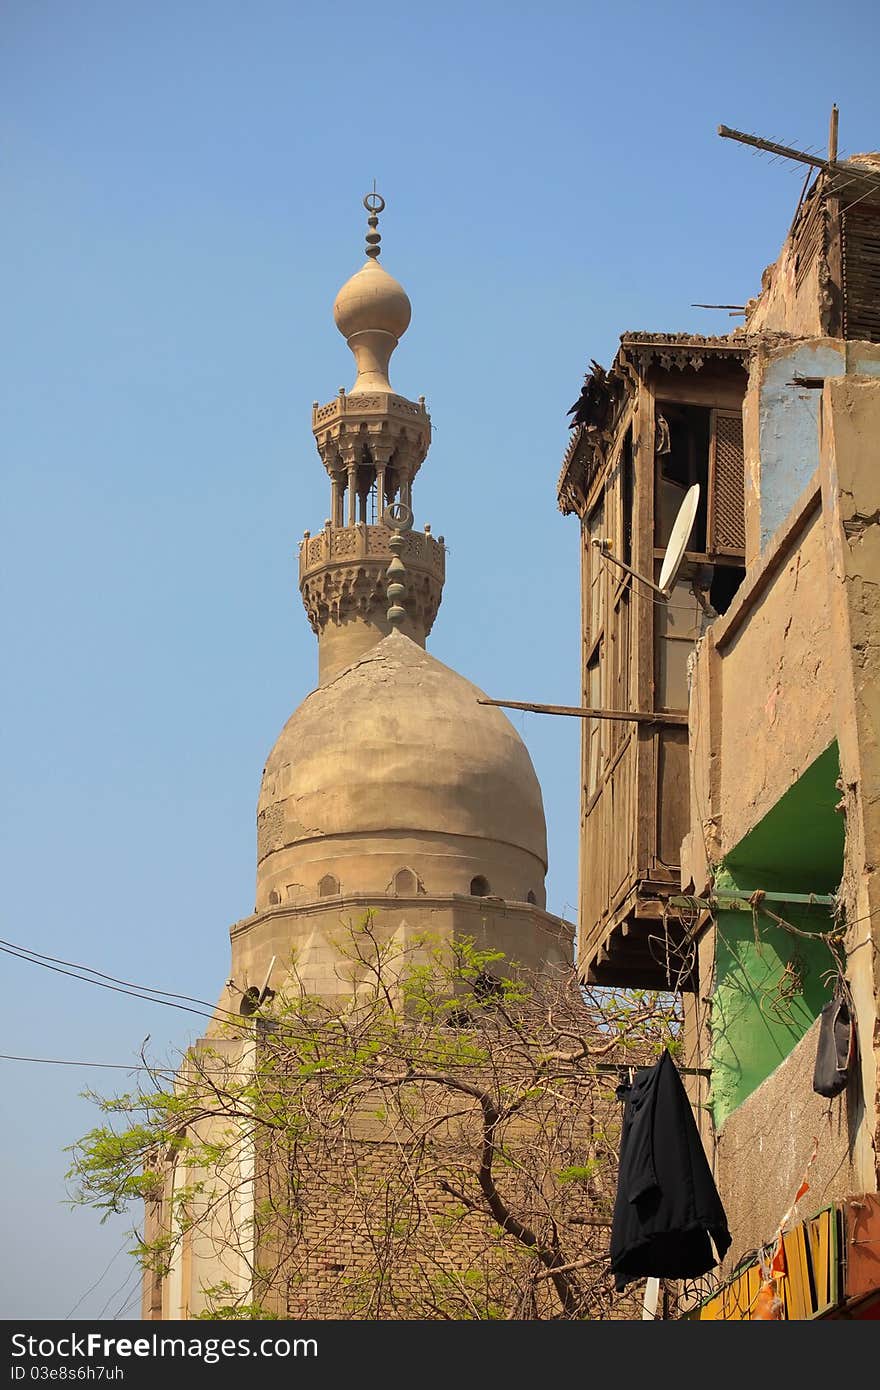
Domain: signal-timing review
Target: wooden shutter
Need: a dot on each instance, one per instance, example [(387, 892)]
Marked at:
[(861, 273), (726, 510)]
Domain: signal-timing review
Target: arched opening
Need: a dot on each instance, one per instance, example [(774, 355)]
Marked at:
[(405, 884), (328, 886), (530, 897), (274, 898), (480, 887)]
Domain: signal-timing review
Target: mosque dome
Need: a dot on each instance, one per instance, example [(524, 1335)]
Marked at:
[(392, 766), (372, 301)]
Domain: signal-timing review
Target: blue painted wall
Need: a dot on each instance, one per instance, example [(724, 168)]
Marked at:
[(789, 429)]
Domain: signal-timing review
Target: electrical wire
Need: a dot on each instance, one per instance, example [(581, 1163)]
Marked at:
[(63, 1062), (121, 1289), (130, 984), (136, 992), (126, 1305), (102, 1275)]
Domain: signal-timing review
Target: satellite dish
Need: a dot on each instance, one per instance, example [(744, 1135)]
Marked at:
[(250, 1001), (678, 540), (675, 550), (253, 997)]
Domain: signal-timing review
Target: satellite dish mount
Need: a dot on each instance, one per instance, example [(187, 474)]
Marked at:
[(675, 550), (255, 995)]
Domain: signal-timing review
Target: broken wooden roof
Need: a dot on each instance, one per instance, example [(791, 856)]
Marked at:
[(603, 392)]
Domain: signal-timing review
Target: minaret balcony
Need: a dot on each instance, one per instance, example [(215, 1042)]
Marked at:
[(356, 545), (372, 414)]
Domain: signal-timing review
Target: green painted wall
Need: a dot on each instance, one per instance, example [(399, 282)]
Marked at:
[(799, 844), (769, 984)]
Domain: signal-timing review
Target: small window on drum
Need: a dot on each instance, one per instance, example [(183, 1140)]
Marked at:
[(405, 884), (480, 887), (530, 897), (328, 887)]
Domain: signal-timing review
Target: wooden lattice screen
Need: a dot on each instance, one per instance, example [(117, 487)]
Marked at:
[(726, 513), (861, 272)]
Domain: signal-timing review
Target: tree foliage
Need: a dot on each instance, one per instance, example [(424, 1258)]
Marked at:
[(438, 1140)]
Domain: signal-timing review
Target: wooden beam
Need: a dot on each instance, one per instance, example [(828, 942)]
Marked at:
[(580, 712), (643, 627), (832, 133), (618, 977), (833, 310)]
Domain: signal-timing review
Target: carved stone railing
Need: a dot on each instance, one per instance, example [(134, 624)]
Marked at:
[(355, 544), (342, 574), (345, 407)]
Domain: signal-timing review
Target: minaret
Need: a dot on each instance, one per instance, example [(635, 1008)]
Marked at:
[(372, 443), (392, 795)]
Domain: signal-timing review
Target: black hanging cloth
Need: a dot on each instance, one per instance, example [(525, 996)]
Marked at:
[(836, 1049), (667, 1205)]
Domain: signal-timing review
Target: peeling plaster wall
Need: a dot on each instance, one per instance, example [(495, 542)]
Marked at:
[(788, 427), (784, 305), (762, 696), (794, 664), (765, 1146), (851, 501), (780, 423), (777, 683)]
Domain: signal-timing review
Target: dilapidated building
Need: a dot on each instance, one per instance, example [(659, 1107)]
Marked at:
[(730, 806), (668, 414)]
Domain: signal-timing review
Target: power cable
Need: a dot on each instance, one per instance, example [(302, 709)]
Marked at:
[(63, 1062), (126, 1305), (22, 953), (130, 984), (121, 1289), (102, 1275)]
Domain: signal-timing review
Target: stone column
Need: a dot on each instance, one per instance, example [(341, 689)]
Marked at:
[(363, 497), (381, 455), (352, 493)]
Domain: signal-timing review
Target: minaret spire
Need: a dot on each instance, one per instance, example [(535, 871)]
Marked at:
[(372, 443), (372, 310), (374, 203)]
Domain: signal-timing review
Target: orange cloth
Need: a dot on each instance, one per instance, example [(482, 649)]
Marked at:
[(768, 1305)]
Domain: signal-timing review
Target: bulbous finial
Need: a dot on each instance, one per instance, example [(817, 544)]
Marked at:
[(372, 311), (398, 517)]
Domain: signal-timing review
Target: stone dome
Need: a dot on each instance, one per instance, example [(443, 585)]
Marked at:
[(372, 300), (393, 766)]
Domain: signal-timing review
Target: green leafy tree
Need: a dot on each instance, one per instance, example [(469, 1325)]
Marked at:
[(437, 1141)]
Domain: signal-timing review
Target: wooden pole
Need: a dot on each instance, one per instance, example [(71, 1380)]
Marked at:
[(635, 717), (832, 133)]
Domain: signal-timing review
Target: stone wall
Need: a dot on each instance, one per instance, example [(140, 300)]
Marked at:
[(765, 1145)]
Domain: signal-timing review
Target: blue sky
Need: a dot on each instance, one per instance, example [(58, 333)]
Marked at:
[(182, 189)]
